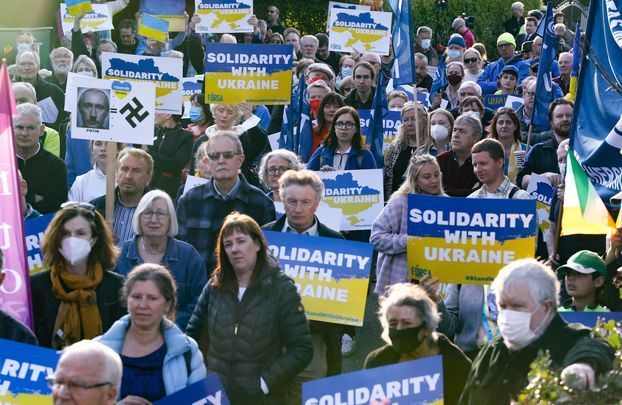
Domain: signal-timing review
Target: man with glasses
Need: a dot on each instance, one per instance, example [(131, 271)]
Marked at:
[(301, 192), (45, 173), (88, 373), (506, 44), (362, 95), (202, 210), (472, 89)]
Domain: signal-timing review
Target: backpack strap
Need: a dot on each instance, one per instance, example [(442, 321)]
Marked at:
[(513, 191), (188, 359)]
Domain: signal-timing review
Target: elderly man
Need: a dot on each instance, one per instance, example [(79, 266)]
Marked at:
[(472, 89), (516, 21), (459, 25), (93, 109), (308, 46), (62, 61), (527, 292), (133, 174), (458, 177), (88, 373), (28, 65), (45, 173), (321, 71), (202, 210), (301, 192), (362, 95), (565, 68), (537, 52), (506, 44), (423, 44)]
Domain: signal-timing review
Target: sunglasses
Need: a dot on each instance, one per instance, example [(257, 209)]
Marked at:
[(227, 155), (83, 205), (470, 60)]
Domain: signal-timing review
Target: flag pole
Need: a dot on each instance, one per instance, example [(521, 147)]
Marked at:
[(417, 132), (111, 158)]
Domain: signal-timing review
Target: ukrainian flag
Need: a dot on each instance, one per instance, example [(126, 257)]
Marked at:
[(75, 7), (576, 64), (153, 27)]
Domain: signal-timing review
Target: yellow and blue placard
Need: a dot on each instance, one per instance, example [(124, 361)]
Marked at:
[(256, 74), (359, 30), (467, 240), (411, 382), (153, 27), (75, 7), (98, 19), (220, 16), (172, 11), (33, 231), (24, 369), (207, 391), (541, 190), (331, 275), (390, 124)]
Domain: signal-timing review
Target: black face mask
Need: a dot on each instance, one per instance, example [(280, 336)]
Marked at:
[(405, 340)]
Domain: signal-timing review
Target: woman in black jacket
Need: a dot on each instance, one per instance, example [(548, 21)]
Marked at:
[(249, 321)]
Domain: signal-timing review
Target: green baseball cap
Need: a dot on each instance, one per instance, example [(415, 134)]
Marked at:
[(584, 262)]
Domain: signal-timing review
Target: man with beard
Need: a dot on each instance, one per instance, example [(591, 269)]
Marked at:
[(542, 158), (62, 61)]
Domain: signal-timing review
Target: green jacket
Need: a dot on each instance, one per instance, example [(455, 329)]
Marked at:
[(498, 375)]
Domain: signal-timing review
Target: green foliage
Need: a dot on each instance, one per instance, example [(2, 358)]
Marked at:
[(546, 387)]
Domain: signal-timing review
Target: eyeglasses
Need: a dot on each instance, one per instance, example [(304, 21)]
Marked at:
[(227, 155), (84, 205), (72, 385), (345, 124), (470, 60), (160, 215), (277, 170)]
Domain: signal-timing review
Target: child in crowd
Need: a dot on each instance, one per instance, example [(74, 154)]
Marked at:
[(584, 276), (508, 80)]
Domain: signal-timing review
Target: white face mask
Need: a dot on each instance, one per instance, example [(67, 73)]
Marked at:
[(562, 168), (439, 133), (75, 249), (425, 43), (86, 73), (22, 47), (514, 327)]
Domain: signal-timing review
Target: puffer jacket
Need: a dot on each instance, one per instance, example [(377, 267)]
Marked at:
[(175, 368), (263, 336)]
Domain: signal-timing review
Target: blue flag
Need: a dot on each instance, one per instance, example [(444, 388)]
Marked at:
[(594, 136), (441, 79), (380, 108), (286, 139), (544, 86), (403, 43), (304, 127)]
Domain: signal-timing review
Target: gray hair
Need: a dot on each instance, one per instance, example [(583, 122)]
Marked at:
[(474, 124), (458, 63), (310, 38), (302, 177), (228, 135), (145, 202), (410, 295), (34, 54), (457, 23), (421, 56), (424, 30), (291, 157), (58, 49), (517, 5), (100, 356), (541, 281), (83, 59), (26, 86), (476, 52), (29, 109), (530, 80)]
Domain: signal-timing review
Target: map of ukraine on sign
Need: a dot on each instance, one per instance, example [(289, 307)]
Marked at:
[(360, 30), (219, 16)]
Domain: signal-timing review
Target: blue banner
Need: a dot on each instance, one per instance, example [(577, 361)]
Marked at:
[(544, 87), (411, 382), (33, 232), (599, 100), (496, 101), (440, 82), (403, 43), (589, 318), (24, 369), (207, 391), (390, 122), (375, 133), (331, 278)]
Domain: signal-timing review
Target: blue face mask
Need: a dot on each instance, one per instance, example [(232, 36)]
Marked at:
[(195, 113), (346, 71), (453, 54)]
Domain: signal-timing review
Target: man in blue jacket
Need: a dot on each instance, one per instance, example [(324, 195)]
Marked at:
[(506, 45)]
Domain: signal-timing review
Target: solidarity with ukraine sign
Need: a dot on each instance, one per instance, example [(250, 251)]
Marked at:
[(256, 74), (208, 391), (331, 275), (218, 16), (390, 124), (33, 231), (359, 30), (470, 240), (165, 73), (23, 372), (412, 382), (98, 19), (359, 194)]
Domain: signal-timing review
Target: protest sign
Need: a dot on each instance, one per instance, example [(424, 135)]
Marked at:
[(208, 391), (172, 11), (256, 74), (411, 382), (97, 20), (359, 30), (75, 7), (164, 73), (220, 16), (152, 27), (541, 190), (343, 6), (331, 217), (496, 101), (358, 193), (192, 182), (390, 123), (589, 318), (189, 87), (514, 102), (24, 369), (467, 240), (33, 232), (113, 110), (331, 275)]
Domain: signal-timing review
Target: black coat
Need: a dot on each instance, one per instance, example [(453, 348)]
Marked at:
[(12, 329), (46, 175), (171, 152), (331, 332), (263, 336), (45, 305)]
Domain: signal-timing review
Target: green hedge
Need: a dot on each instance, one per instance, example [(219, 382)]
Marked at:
[(310, 16)]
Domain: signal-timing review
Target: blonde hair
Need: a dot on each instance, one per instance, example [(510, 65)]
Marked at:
[(425, 141)]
